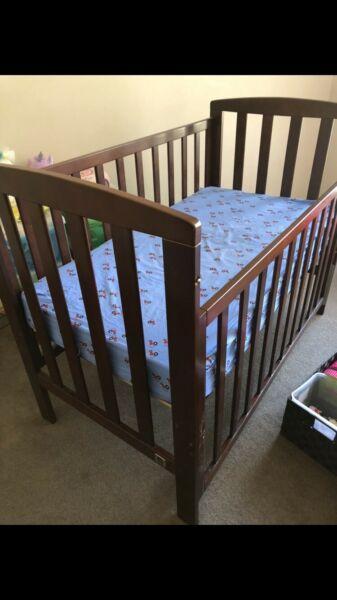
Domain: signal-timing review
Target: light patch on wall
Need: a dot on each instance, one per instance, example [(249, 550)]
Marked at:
[(202, 159), (148, 176), (190, 165), (110, 169), (305, 157), (277, 154), (228, 146), (130, 174), (163, 173), (330, 170), (253, 135), (177, 169)]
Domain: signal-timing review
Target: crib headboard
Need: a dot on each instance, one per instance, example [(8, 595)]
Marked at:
[(295, 108)]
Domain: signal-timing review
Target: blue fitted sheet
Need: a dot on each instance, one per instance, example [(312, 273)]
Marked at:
[(236, 226)]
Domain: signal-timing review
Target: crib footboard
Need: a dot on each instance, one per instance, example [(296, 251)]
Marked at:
[(122, 214), (288, 284)]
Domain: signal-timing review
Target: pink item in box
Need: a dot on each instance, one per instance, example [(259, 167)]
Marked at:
[(332, 370), (89, 175)]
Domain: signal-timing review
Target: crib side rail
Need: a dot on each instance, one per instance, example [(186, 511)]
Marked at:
[(181, 253), (177, 175), (136, 148), (287, 284)]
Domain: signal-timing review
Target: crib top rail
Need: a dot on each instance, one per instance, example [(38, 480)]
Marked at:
[(288, 107), (222, 298), (85, 199)]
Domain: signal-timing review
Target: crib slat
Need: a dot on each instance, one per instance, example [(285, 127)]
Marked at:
[(290, 157), (184, 167), (29, 233), (87, 229), (140, 174), (240, 350), (328, 275), (303, 276), (61, 235), (256, 322), (293, 292), (283, 296), (170, 166), (130, 296), (59, 301), (121, 174), (240, 142), (321, 257), (269, 318), (100, 178), (156, 176), (99, 174), (312, 267), (87, 281), (322, 146), (262, 171), (220, 379), (196, 161), (9, 268), (324, 269), (13, 238)]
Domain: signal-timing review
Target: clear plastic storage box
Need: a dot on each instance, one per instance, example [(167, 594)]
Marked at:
[(310, 419)]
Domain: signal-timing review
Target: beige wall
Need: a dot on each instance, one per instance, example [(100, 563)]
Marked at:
[(72, 115), (330, 173)]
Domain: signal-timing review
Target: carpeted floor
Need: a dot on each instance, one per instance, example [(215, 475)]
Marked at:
[(75, 472)]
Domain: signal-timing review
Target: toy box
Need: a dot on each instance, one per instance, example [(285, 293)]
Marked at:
[(310, 418)]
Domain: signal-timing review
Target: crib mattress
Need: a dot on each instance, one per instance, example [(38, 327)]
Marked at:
[(236, 227)]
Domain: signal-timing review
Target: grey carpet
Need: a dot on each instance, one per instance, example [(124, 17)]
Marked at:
[(75, 472)]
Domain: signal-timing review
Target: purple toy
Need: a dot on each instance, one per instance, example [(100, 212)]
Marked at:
[(40, 161)]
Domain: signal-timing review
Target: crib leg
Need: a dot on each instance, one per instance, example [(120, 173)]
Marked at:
[(189, 439), (44, 404), (187, 501), (321, 310), (29, 358), (42, 398)]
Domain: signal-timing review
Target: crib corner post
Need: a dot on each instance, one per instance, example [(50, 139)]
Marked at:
[(213, 148), (186, 335)]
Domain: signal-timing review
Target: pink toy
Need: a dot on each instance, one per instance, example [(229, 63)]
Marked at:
[(40, 161), (332, 370)]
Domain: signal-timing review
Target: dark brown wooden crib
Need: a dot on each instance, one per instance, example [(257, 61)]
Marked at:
[(305, 282)]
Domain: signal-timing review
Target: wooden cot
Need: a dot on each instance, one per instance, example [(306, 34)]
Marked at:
[(59, 187)]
